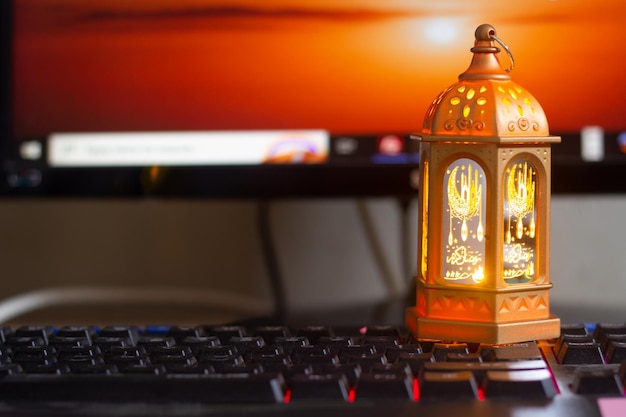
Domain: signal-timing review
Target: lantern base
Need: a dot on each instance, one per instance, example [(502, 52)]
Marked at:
[(470, 331)]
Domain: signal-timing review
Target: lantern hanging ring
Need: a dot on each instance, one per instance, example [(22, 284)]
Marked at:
[(506, 48)]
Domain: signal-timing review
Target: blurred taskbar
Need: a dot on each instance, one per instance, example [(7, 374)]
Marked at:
[(307, 164)]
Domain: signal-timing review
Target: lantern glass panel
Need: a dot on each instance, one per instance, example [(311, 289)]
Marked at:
[(463, 243), (520, 216)]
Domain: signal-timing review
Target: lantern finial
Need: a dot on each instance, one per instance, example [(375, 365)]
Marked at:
[(484, 32), (485, 64)]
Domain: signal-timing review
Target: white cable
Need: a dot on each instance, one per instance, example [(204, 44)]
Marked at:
[(17, 305)]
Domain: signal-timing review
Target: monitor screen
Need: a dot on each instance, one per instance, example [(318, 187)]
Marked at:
[(282, 98)]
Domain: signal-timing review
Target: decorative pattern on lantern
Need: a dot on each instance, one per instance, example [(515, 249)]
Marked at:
[(484, 206), (465, 247), (520, 226)]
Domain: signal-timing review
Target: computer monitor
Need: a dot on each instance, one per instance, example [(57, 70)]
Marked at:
[(204, 98)]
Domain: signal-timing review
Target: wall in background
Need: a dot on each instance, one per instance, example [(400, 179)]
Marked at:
[(323, 250), (588, 249)]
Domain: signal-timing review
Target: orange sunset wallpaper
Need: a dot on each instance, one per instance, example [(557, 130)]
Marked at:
[(352, 66)]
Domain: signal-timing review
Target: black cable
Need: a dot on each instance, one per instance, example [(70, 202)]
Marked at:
[(377, 250), (388, 308), (405, 246), (271, 263), (405, 238)]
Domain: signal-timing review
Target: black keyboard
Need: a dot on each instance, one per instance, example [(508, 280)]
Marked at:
[(315, 370)]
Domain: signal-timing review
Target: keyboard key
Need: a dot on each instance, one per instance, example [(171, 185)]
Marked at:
[(571, 338), (220, 361), (241, 368), (616, 351), (74, 357), (348, 352), (87, 332), (415, 361), (427, 345), (269, 361), (154, 342), (352, 371), (400, 369), (197, 343), (19, 341), (269, 333), (317, 361), (68, 353), (335, 343), (535, 384), (384, 386), (479, 370), (156, 330), (66, 341), (116, 352), (574, 329), (264, 351), (319, 387), (126, 362), (368, 361), (304, 352), (290, 371), (6, 351), (580, 353), (603, 329), (179, 333), (314, 333), (441, 350), (174, 359), (393, 353), (219, 350), (447, 385), (33, 353), (384, 331), (83, 360), (512, 352), (464, 357), (224, 333), (130, 333), (106, 343), (597, 381), (380, 343), (289, 344), (212, 388), (5, 332), (177, 350), (43, 332), (243, 344), (10, 369)]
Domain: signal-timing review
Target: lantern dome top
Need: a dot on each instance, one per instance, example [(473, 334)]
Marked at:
[(485, 103)]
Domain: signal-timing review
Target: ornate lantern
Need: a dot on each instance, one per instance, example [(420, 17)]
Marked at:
[(484, 207)]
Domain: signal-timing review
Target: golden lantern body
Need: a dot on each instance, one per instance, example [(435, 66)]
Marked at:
[(484, 208)]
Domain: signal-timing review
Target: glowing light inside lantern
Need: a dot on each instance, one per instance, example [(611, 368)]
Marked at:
[(520, 226), (479, 275), (464, 248)]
